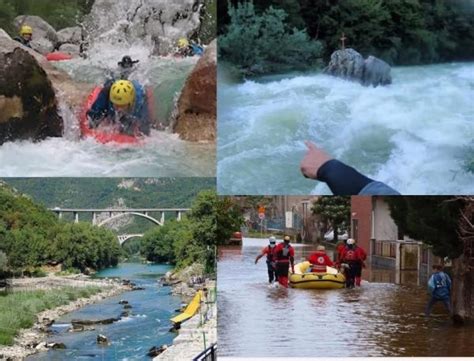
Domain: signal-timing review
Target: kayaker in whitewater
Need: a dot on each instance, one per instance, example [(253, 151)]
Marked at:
[(122, 103), (284, 256), (354, 256), (340, 178), (126, 66), (319, 260), (268, 251), (186, 48), (25, 36)]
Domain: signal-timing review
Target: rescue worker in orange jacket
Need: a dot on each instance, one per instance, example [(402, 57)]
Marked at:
[(353, 256), (284, 256), (319, 260), (268, 250)]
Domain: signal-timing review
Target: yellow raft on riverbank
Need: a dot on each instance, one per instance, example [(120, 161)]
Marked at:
[(190, 309), (331, 279)]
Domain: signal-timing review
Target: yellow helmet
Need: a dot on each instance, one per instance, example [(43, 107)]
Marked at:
[(183, 42), (122, 92), (26, 30)]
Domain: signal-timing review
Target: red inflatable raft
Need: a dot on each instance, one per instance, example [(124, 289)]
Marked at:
[(58, 56), (101, 135)]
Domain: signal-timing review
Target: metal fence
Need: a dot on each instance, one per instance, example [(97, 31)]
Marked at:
[(209, 354)]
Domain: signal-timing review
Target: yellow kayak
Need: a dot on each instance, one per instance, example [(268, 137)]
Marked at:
[(190, 310), (331, 279)]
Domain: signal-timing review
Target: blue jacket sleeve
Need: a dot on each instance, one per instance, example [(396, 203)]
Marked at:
[(101, 106)]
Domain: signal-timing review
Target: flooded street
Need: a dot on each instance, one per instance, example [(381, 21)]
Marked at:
[(379, 319)]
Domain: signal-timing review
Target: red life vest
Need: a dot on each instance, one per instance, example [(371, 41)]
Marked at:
[(319, 260), (283, 254), (350, 254)]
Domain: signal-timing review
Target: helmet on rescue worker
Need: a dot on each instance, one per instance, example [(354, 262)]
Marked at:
[(183, 43), (320, 248), (286, 239), (272, 241), (26, 30), (122, 93), (351, 241)]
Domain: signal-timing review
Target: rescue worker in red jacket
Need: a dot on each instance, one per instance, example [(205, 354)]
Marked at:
[(354, 256), (284, 256), (319, 260), (268, 250), (339, 249)]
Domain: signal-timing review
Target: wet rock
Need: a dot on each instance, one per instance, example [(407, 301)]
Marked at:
[(137, 288), (127, 307), (124, 314), (81, 328), (126, 282), (72, 35), (164, 21), (105, 321), (56, 345), (195, 118), (123, 302), (70, 49), (155, 350), (4, 34), (47, 322), (28, 106), (102, 340), (349, 64)]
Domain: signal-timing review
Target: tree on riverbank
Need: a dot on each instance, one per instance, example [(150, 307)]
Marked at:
[(401, 32), (31, 236), (447, 224), (265, 43)]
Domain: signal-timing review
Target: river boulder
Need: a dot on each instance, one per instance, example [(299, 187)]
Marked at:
[(72, 35), (195, 118), (164, 22), (44, 35), (28, 106), (102, 339), (349, 64), (155, 350)]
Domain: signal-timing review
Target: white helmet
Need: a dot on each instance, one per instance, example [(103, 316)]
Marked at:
[(272, 240), (351, 241)]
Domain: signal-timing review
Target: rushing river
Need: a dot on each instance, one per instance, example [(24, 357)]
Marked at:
[(130, 338), (379, 319), (162, 154), (416, 134)]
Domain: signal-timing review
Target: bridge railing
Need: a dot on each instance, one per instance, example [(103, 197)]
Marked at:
[(209, 354)]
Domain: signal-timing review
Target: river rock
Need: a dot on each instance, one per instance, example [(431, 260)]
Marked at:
[(70, 49), (155, 350), (123, 302), (102, 340), (56, 345), (128, 21), (127, 307), (349, 64), (4, 34), (195, 118), (72, 35), (105, 321), (28, 106)]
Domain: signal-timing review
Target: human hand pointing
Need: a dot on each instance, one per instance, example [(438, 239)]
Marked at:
[(313, 160)]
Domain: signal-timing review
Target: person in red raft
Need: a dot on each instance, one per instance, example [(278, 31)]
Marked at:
[(319, 260), (354, 257), (284, 256)]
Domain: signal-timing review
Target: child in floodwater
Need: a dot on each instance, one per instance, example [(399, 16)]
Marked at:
[(439, 286)]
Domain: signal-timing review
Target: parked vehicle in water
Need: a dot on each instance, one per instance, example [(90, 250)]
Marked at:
[(329, 236)]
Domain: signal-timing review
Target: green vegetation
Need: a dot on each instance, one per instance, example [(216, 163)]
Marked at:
[(207, 31), (31, 236), (334, 211), (24, 306), (195, 237), (58, 13), (265, 43), (401, 32), (434, 220)]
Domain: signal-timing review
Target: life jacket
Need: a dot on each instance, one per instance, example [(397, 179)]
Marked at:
[(270, 254), (319, 262), (350, 255), (284, 253)]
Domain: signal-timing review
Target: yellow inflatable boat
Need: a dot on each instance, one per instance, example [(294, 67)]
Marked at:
[(331, 279), (190, 310)]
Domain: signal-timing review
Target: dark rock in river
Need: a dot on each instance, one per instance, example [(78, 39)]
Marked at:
[(105, 321), (127, 306), (56, 345), (102, 340), (349, 64), (155, 351), (123, 302)]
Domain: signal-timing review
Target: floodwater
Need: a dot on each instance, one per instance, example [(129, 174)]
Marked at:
[(379, 319)]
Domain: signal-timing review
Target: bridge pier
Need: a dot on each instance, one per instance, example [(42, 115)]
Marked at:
[(178, 216), (60, 215), (162, 219), (94, 218), (76, 217)]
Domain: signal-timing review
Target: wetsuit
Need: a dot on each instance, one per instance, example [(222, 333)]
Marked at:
[(345, 180), (22, 40), (284, 255), (137, 119), (319, 260)]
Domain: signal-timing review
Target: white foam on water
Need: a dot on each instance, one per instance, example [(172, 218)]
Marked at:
[(411, 134)]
